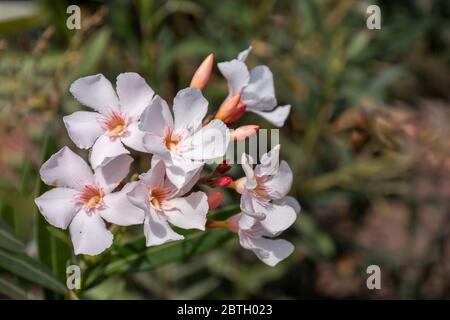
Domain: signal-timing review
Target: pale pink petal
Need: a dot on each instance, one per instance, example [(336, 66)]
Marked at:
[(259, 94), (83, 128), (157, 230), (109, 175), (237, 75), (209, 143), (189, 183), (119, 210), (156, 119), (242, 56), (138, 196), (188, 212), (270, 163), (134, 137), (134, 94), (180, 171), (246, 163), (280, 184), (277, 117), (248, 206), (96, 92), (89, 234), (189, 108), (290, 201), (155, 144), (66, 169), (277, 217), (155, 176), (246, 222), (105, 149), (58, 206), (269, 251)]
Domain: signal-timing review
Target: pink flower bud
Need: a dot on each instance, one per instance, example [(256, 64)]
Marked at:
[(214, 199), (244, 132), (236, 114), (203, 73), (228, 107), (223, 182)]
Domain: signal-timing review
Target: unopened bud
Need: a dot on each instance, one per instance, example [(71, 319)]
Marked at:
[(203, 73), (228, 107), (223, 182), (236, 114), (214, 199), (243, 132)]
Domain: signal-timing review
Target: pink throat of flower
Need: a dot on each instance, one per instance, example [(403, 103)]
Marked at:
[(171, 140), (157, 196), (260, 190), (91, 197), (115, 124)]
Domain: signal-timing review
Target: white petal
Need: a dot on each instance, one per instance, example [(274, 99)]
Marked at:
[(83, 128), (58, 206), (279, 184), (134, 94), (119, 210), (269, 251), (109, 175), (259, 94), (155, 176), (188, 212), (210, 142), (246, 163), (157, 230), (66, 169), (104, 149), (242, 56), (180, 171), (96, 92), (89, 234), (246, 222), (277, 217), (155, 144), (156, 118), (134, 138), (189, 108), (277, 117), (189, 184), (290, 201), (236, 73), (138, 196), (270, 163), (248, 207)]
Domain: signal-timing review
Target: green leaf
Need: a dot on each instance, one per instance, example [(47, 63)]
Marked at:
[(135, 257), (7, 239), (30, 269), (11, 290)]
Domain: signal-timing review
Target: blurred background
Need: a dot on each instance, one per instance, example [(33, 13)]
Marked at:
[(368, 139)]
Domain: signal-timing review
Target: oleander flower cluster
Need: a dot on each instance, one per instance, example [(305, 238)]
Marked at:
[(90, 197)]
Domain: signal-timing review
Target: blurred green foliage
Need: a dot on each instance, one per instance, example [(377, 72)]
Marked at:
[(367, 139)]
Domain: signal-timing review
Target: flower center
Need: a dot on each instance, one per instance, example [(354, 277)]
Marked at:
[(91, 197), (157, 196), (171, 141), (260, 190), (115, 124)]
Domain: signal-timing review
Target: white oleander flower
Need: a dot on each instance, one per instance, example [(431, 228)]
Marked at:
[(182, 142), (165, 204), (115, 121), (255, 87), (82, 199)]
